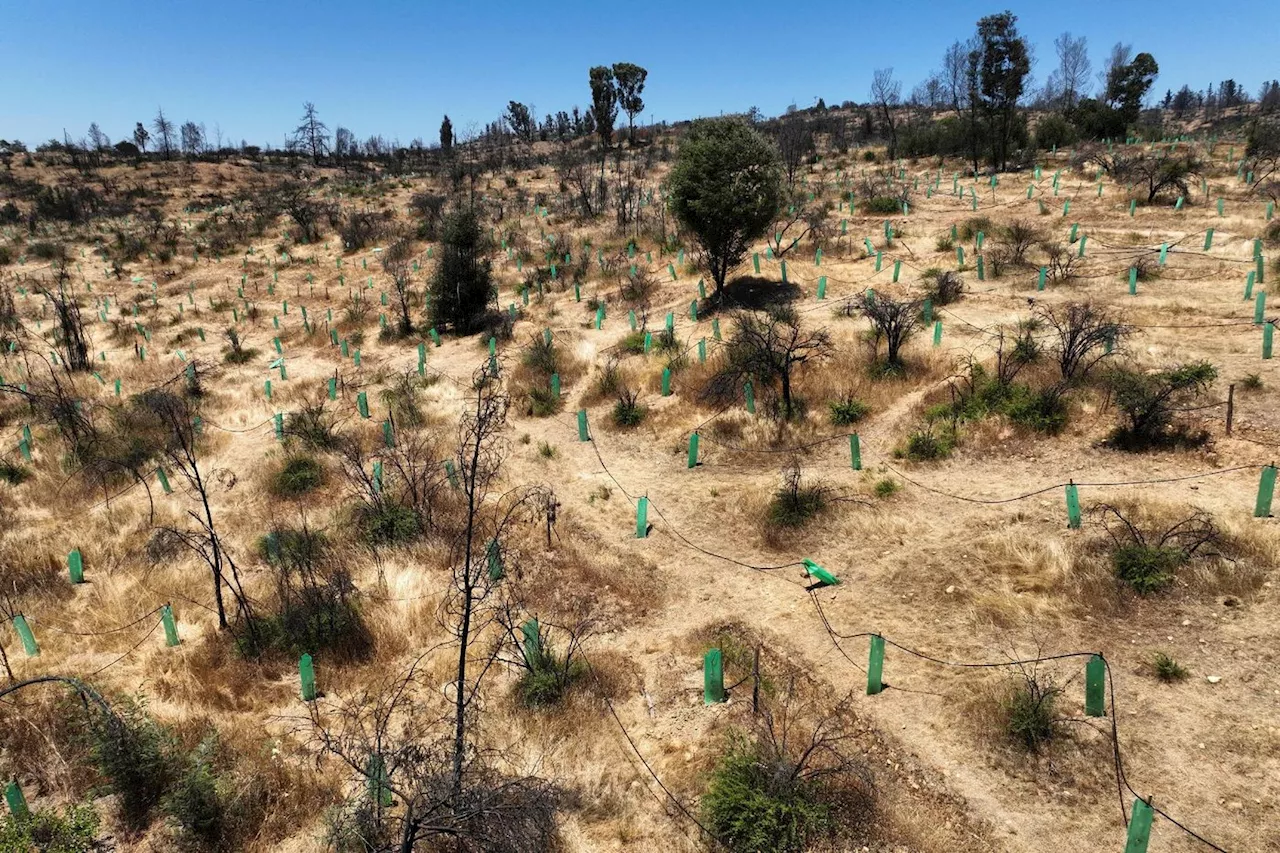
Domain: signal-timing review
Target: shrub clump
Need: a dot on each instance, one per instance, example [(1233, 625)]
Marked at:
[(74, 830), (1029, 710), (796, 502), (298, 475), (756, 803), (847, 411)]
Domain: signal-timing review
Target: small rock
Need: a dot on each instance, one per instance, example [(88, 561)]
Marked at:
[(1186, 622), (950, 590), (1213, 679)]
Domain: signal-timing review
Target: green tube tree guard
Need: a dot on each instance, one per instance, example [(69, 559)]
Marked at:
[(362, 403), (712, 677), (875, 666), (1095, 680), (582, 425), (15, 800), (29, 644), (307, 676), (666, 381), (1073, 507), (170, 627), (75, 566), (855, 452), (1266, 490), (642, 518), (1139, 827), (750, 393), (693, 450), (164, 481)]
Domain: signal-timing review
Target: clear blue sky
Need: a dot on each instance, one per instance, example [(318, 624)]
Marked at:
[(396, 67)]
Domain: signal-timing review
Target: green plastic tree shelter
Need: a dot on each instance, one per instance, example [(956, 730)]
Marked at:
[(376, 776), (531, 634), (642, 518), (452, 474), (1095, 681), (362, 403), (1139, 827), (750, 394), (821, 575), (1266, 490), (875, 666), (1073, 507), (170, 627), (16, 801), (712, 677), (164, 481), (855, 452), (29, 644), (582, 426), (693, 450), (75, 566), (307, 675)]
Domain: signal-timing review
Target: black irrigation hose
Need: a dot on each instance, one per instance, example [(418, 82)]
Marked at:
[(126, 654), (1212, 473), (58, 630), (1122, 781)]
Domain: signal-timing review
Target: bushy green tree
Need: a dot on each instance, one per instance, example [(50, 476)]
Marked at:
[(726, 189), (462, 287)]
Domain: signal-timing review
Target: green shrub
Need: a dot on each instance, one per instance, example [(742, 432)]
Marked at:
[(312, 426), (74, 830), (969, 229), (1167, 669), (929, 442), (1251, 382), (945, 244), (13, 473), (1147, 568), (627, 411), (289, 546), (298, 475), (754, 805), (632, 343), (194, 803), (548, 677), (46, 250), (1029, 710), (847, 411), (136, 755), (1044, 411), (796, 502), (543, 403), (886, 488), (883, 204), (389, 523), (546, 450)]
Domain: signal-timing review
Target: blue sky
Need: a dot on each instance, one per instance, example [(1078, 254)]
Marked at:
[(396, 67)]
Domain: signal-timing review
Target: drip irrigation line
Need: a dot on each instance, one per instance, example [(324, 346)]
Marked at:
[(1212, 473), (58, 630), (134, 648), (1122, 782), (700, 549), (644, 762)]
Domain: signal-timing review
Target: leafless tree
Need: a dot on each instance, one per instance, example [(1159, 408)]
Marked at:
[(886, 95), (162, 130), (418, 749), (71, 335), (1085, 333), (175, 413), (795, 141), (894, 322), (1073, 67), (396, 263), (311, 134), (768, 348)]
